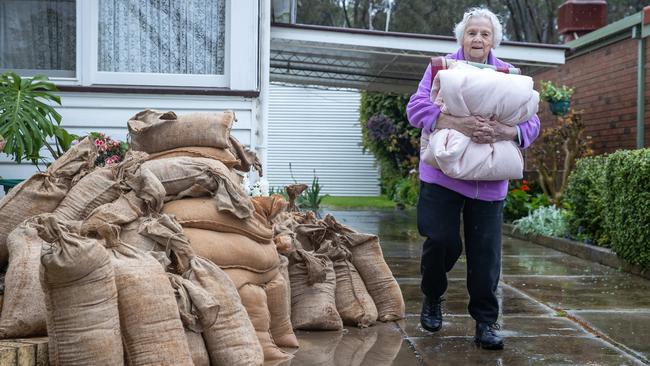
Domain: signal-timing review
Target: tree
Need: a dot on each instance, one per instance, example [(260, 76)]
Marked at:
[(524, 20)]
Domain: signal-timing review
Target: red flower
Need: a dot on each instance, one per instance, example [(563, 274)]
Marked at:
[(524, 188), (524, 182)]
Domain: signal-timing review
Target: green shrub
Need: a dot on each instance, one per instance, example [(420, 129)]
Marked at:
[(585, 199), (407, 190), (547, 220), (627, 205), (522, 199), (387, 134)]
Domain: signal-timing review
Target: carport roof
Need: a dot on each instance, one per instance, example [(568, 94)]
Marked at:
[(374, 60)]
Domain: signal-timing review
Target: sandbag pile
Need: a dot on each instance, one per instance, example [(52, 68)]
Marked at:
[(183, 268), (337, 275)]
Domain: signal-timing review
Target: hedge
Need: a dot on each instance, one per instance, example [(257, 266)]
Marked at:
[(627, 205), (585, 198)]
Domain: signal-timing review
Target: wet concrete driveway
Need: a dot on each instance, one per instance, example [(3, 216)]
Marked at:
[(556, 310)]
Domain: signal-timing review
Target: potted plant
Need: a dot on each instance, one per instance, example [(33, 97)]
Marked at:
[(559, 98), (28, 123)]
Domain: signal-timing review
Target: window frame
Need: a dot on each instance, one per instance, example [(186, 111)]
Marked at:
[(242, 29)]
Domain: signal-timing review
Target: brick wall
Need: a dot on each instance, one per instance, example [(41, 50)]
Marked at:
[(605, 88)]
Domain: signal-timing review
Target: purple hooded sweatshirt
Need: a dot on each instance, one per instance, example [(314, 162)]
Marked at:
[(422, 113)]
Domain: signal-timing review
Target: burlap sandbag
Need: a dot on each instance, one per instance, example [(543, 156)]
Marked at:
[(270, 207), (313, 287), (200, 177), (43, 192), (368, 259), (253, 298), (152, 331), (278, 298), (23, 311), (229, 250), (241, 277), (198, 311), (77, 271), (103, 185), (247, 158), (353, 302), (153, 131), (198, 350), (231, 340), (223, 155), (202, 213)]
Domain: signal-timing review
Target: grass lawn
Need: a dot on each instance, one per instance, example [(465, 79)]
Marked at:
[(341, 202)]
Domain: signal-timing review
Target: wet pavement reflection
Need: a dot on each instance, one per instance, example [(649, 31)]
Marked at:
[(555, 310)]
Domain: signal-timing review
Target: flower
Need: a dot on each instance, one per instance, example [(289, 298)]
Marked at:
[(524, 188), (380, 128)]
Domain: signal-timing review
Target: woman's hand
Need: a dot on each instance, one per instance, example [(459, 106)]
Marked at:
[(491, 131), (468, 126)]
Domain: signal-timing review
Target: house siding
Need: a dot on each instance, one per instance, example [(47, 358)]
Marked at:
[(318, 129)]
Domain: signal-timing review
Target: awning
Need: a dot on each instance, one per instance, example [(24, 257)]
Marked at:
[(374, 60)]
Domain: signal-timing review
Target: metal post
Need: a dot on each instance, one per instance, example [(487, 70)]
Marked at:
[(640, 96)]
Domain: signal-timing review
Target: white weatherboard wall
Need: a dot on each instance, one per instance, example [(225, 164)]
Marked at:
[(109, 113), (318, 129)]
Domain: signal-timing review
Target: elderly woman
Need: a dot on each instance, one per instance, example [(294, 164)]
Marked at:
[(443, 199)]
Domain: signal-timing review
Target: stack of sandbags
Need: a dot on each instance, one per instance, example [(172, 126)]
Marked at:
[(203, 193), (229, 340), (365, 289), (244, 249), (197, 135)]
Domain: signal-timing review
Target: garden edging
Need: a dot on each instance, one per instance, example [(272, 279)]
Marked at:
[(585, 251)]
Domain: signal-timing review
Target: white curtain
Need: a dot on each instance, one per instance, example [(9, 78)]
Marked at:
[(38, 35), (162, 36)]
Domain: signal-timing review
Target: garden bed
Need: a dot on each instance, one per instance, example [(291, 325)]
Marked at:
[(593, 253)]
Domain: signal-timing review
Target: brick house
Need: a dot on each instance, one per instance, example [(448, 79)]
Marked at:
[(604, 67)]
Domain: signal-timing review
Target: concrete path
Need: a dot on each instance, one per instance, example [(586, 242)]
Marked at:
[(556, 310)]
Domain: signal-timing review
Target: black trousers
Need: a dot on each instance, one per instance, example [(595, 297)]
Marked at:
[(438, 214)]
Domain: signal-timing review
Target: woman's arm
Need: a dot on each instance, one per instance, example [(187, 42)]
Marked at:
[(421, 111), (529, 131)]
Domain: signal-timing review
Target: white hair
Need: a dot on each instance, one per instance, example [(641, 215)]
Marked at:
[(497, 28)]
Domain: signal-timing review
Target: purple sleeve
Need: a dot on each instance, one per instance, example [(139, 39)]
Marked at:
[(421, 111), (529, 131)]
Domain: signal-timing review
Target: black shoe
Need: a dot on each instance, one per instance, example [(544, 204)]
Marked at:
[(431, 315), (486, 336)]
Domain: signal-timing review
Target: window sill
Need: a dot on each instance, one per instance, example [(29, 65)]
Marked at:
[(160, 90)]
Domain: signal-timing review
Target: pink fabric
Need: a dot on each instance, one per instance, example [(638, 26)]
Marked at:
[(464, 90), (422, 113)]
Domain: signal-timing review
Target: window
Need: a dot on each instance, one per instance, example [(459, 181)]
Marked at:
[(159, 42), (166, 43), (38, 37)]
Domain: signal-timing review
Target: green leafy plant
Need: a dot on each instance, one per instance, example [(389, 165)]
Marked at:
[(627, 204), (585, 199), (552, 93), (387, 134), (548, 220), (523, 197), (311, 197), (27, 122)]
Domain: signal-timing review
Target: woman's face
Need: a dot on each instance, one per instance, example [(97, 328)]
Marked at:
[(477, 39)]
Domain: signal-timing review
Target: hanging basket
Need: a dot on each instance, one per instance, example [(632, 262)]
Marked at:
[(560, 108)]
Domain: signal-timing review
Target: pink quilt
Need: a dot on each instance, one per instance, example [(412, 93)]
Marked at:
[(464, 90)]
